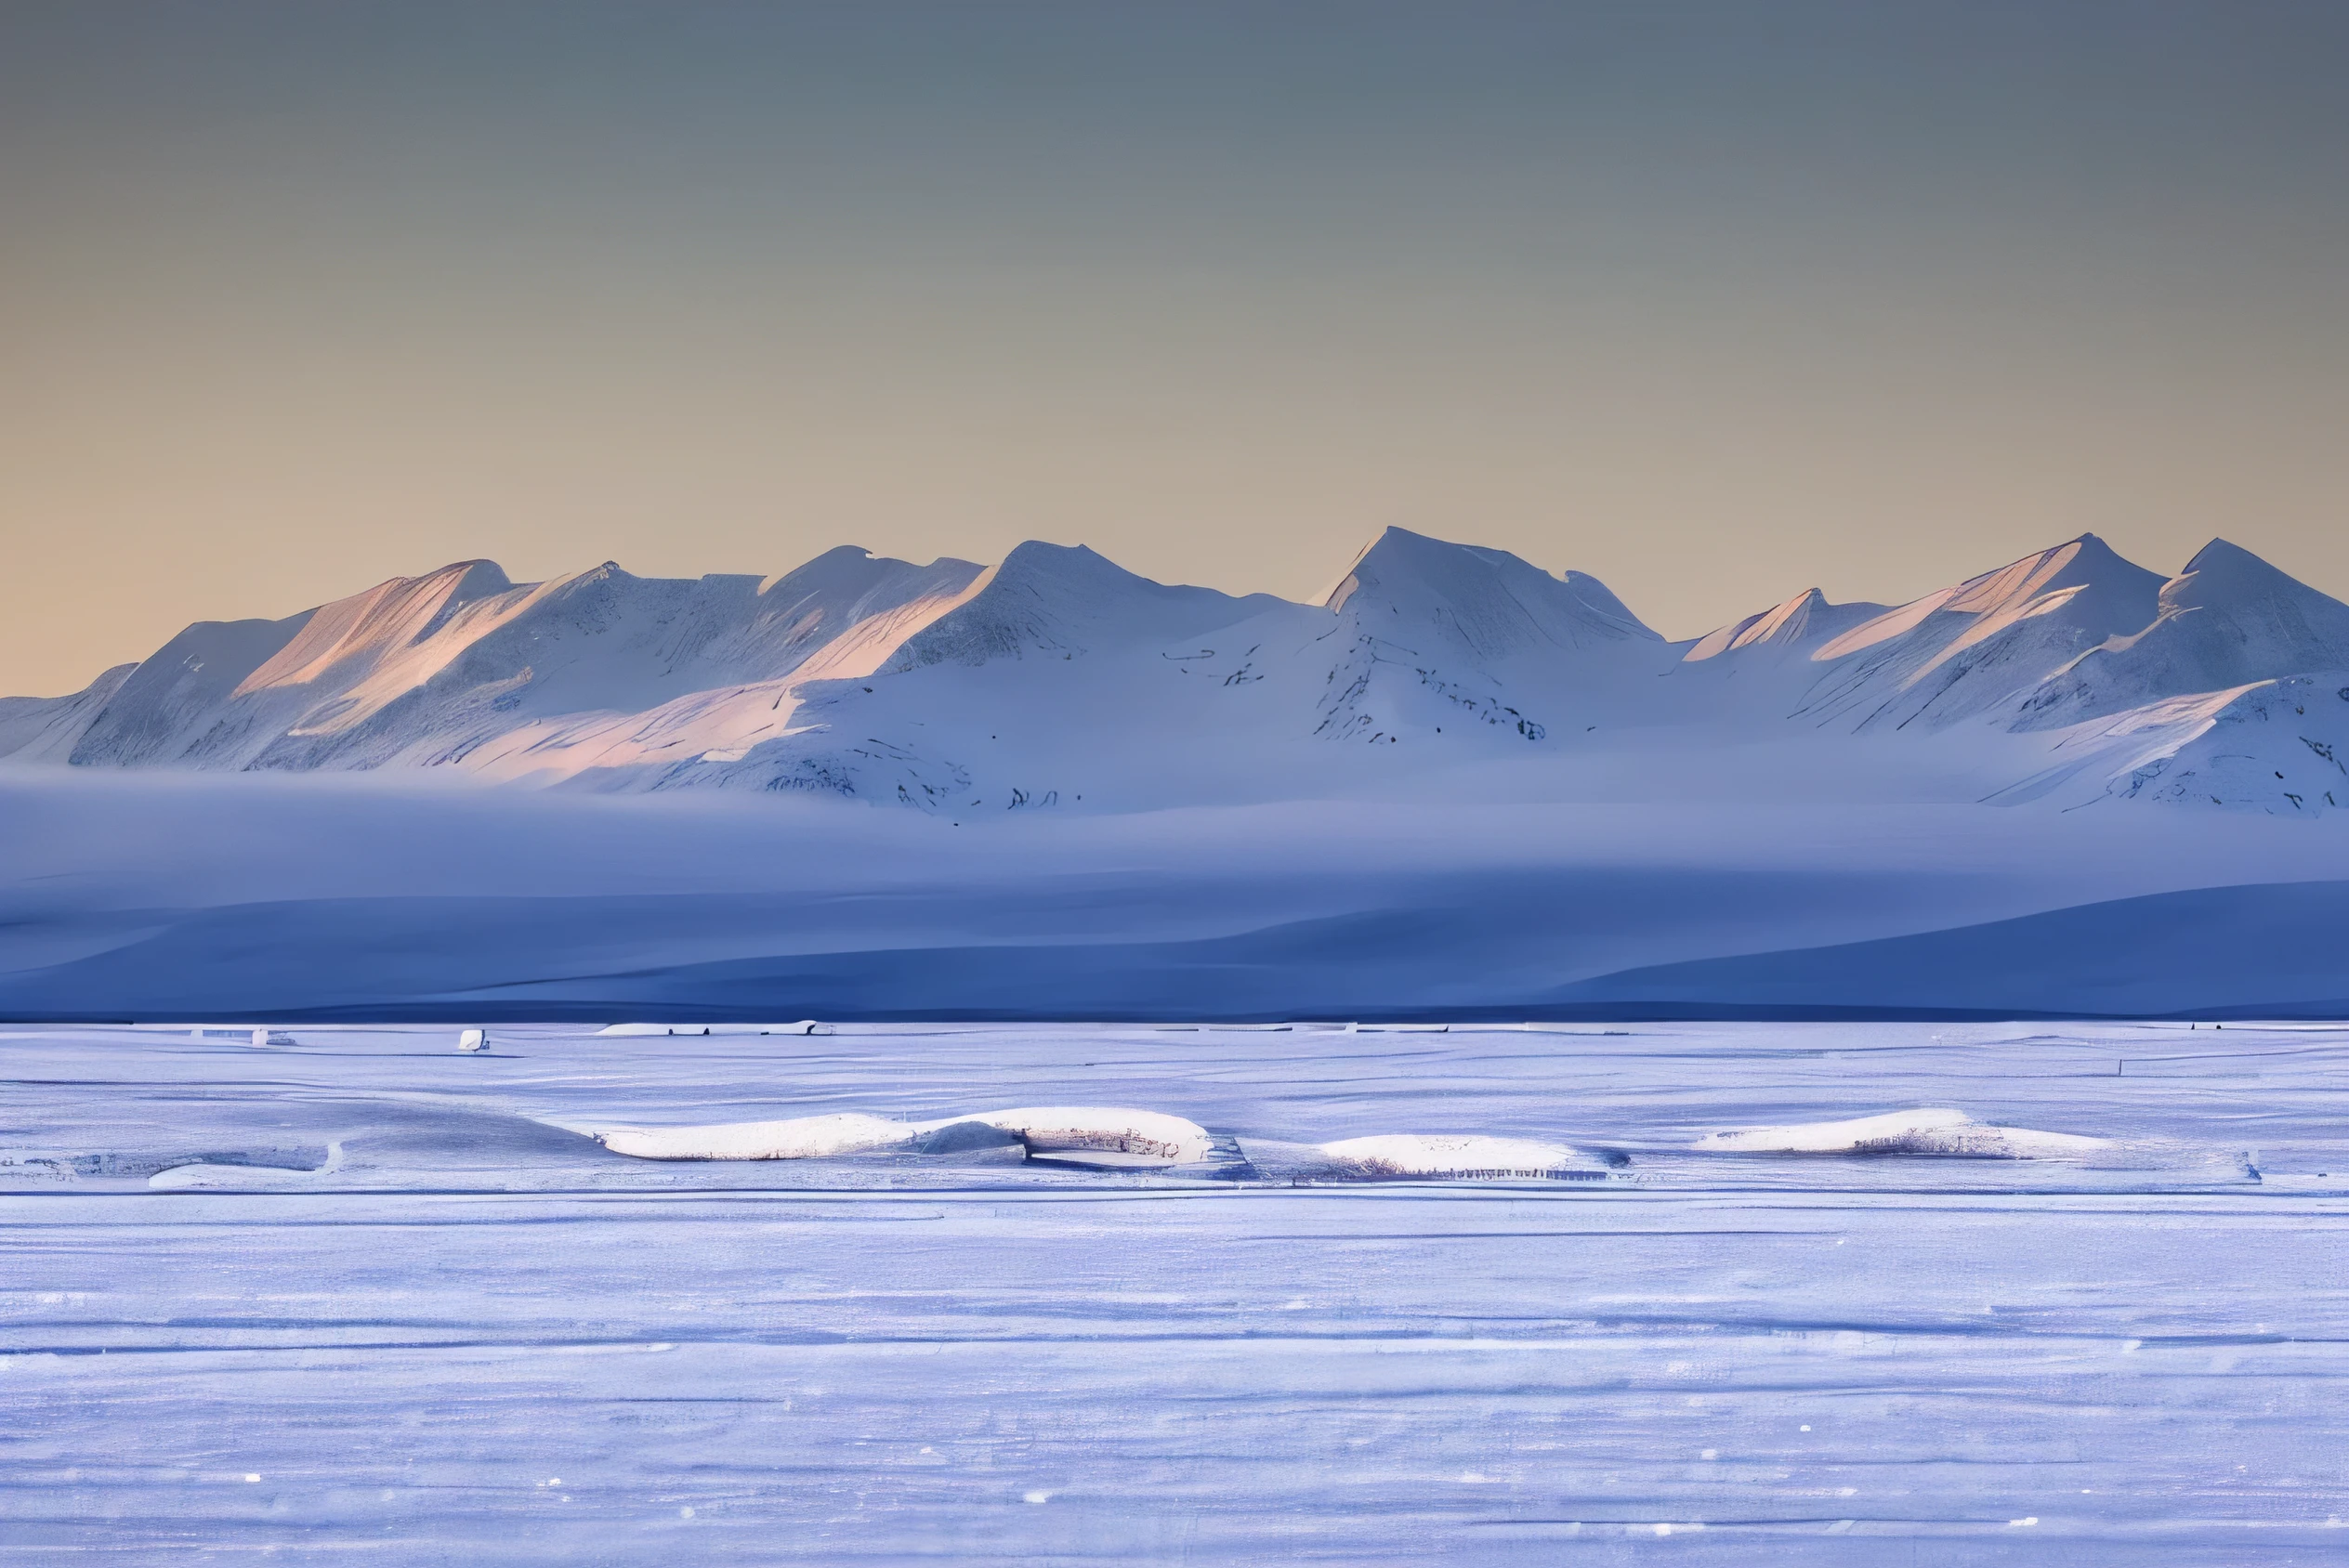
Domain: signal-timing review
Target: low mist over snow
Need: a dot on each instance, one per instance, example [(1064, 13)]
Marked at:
[(1049, 788), (160, 896), (1057, 680)]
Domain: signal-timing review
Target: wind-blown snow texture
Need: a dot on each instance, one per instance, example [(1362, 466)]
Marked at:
[(360, 1296)]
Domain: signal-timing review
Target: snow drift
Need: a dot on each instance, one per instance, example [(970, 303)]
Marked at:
[(1456, 1156), (1052, 1130), (1933, 1132)]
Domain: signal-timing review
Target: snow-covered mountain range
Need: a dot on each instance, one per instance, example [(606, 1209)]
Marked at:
[(1057, 680)]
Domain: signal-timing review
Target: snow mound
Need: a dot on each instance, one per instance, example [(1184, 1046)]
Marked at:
[(1073, 1129), (799, 1138), (1407, 1154), (1046, 1131), (1938, 1131)]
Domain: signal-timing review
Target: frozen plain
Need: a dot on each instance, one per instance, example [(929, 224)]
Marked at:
[(467, 1335)]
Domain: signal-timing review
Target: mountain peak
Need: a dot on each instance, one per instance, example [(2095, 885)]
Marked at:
[(396, 613), (2227, 620), (1435, 652), (1062, 600), (2226, 581), (1042, 556), (475, 577), (2085, 562), (2223, 567), (1781, 624), (1398, 554), (2100, 590), (1492, 599), (2089, 549)]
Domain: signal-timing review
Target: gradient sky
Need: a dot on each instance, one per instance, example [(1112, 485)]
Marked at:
[(1714, 301)]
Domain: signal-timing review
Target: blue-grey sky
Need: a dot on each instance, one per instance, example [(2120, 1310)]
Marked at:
[(1717, 301)]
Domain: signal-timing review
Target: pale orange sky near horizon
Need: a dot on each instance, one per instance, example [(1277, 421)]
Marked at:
[(296, 299)]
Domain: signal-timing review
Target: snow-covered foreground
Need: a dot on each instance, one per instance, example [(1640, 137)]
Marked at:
[(361, 1297)]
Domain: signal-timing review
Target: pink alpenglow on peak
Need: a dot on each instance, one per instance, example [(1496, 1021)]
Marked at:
[(1057, 681)]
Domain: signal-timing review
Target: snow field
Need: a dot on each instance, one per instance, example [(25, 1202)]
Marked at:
[(443, 1327)]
